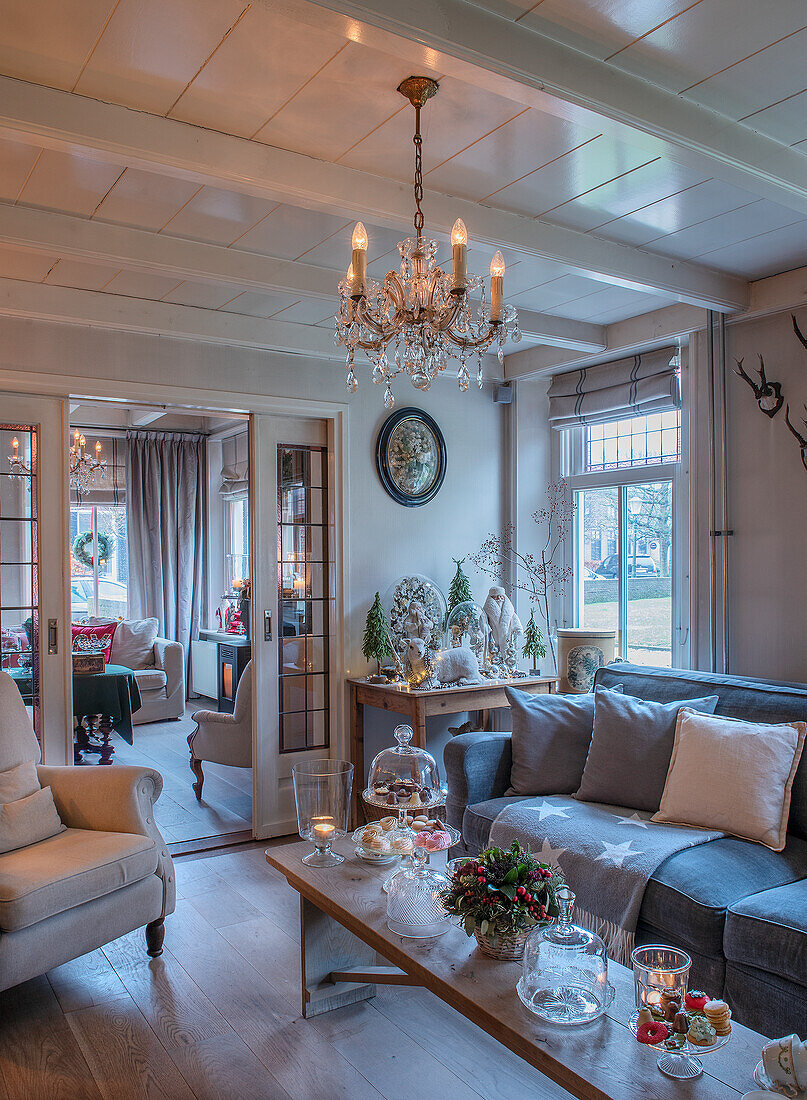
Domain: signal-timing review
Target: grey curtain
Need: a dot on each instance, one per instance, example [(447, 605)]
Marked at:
[(642, 384), (165, 476)]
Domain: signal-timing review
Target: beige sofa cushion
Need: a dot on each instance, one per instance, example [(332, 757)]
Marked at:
[(150, 679), (133, 643), (28, 820), (18, 782), (67, 870)]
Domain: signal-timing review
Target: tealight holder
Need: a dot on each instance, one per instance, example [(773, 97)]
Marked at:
[(658, 970), (322, 790)]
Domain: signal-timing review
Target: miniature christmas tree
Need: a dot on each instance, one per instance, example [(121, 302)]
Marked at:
[(376, 639), (533, 640), (460, 589)]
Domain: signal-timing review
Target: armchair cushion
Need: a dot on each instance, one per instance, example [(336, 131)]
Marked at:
[(150, 679), (69, 869), (133, 643), (18, 782), (28, 820)]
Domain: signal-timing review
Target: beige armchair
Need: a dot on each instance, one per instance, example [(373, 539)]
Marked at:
[(108, 873), (223, 738)]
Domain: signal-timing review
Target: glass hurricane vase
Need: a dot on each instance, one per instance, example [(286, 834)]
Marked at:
[(322, 790)]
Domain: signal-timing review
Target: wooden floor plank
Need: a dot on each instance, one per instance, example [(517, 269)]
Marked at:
[(272, 952), (472, 1054), (176, 1009), (221, 905), (225, 1069), (269, 893), (305, 1063), (86, 981), (390, 1059), (39, 1055), (127, 1059)]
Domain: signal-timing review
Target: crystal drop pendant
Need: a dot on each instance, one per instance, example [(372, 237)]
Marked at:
[(389, 400), (378, 374), (501, 355), (351, 385)]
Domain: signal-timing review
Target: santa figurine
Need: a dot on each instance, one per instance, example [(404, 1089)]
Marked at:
[(505, 625)]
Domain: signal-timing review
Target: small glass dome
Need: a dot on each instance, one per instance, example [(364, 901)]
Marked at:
[(467, 625), (564, 978), (414, 906), (416, 608), (403, 778)]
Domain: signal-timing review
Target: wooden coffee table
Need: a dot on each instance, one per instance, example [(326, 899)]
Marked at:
[(343, 920)]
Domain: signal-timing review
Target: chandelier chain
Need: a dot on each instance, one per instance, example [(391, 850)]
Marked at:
[(418, 142)]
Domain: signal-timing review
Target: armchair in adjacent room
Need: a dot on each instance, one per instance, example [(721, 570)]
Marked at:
[(223, 738), (107, 873)]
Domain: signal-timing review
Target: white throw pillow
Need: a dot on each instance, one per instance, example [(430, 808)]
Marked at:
[(133, 644), (733, 775), (29, 820), (18, 782)]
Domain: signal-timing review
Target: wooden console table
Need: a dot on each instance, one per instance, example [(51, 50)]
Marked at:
[(417, 706)]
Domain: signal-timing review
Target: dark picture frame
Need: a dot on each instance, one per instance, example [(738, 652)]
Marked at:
[(386, 468)]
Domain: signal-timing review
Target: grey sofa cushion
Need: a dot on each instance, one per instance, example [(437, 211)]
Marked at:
[(690, 893), (769, 931), (550, 740), (477, 820), (739, 697), (630, 749)]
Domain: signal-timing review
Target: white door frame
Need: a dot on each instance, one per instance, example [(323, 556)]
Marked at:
[(78, 388)]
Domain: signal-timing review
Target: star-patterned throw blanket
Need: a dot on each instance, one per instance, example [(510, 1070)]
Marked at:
[(607, 855)]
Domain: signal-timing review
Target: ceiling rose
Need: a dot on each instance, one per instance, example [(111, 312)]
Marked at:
[(422, 316)]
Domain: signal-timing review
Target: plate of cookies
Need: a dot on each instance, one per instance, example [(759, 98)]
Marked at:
[(379, 845), (680, 1031), (404, 792)]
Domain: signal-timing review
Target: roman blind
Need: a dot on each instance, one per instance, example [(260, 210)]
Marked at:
[(641, 384), (110, 485), (235, 466)]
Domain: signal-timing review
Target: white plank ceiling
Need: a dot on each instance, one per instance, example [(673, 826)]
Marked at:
[(255, 71)]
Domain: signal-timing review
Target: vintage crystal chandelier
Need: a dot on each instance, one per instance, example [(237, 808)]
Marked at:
[(85, 471), (418, 319)]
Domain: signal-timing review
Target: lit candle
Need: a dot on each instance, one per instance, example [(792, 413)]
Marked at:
[(359, 263), (459, 241), (323, 832), (97, 449), (496, 287), (81, 443), (15, 444)]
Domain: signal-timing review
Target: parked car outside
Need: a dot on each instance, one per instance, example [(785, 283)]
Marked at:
[(112, 598), (645, 566)]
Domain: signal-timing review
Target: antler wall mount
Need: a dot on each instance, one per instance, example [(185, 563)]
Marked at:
[(768, 394)]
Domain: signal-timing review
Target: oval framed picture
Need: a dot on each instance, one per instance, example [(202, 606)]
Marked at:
[(411, 457)]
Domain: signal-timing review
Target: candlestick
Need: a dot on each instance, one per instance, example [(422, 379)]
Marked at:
[(459, 241), (496, 287), (359, 263)]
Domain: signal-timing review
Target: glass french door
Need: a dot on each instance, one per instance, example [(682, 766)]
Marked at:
[(293, 610), (34, 618)]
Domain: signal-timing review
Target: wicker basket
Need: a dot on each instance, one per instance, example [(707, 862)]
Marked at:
[(505, 947)]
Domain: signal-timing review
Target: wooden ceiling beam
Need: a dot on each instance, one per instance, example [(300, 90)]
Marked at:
[(179, 258), (57, 119)]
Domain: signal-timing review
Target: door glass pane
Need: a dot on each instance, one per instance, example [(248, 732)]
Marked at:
[(303, 592), (598, 559), (649, 596), (102, 591), (19, 576)]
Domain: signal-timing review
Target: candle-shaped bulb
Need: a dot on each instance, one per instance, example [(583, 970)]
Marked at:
[(98, 448), (360, 237), (496, 287), (497, 266), (15, 443), (459, 240), (76, 435), (459, 234), (358, 281)]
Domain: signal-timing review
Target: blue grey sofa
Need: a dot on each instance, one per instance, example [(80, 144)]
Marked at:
[(737, 908)]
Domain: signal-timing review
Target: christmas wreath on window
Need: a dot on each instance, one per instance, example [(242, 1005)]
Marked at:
[(82, 548)]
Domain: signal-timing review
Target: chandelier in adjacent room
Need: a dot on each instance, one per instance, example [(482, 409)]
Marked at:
[(85, 471), (418, 319)]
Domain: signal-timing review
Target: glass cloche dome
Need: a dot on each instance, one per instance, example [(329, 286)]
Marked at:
[(414, 906), (404, 778), (564, 978), (467, 625), (416, 608)]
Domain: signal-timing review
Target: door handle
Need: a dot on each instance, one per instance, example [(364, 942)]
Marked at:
[(267, 626), (53, 635)]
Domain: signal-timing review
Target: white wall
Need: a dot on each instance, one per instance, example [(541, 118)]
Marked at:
[(385, 540), (767, 507)]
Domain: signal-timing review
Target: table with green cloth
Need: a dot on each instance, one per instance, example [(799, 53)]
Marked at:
[(113, 694)]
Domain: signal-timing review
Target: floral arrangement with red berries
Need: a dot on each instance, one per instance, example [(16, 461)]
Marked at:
[(502, 893)]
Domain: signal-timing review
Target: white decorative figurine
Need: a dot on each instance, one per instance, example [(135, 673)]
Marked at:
[(457, 665), (417, 624), (505, 625)]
